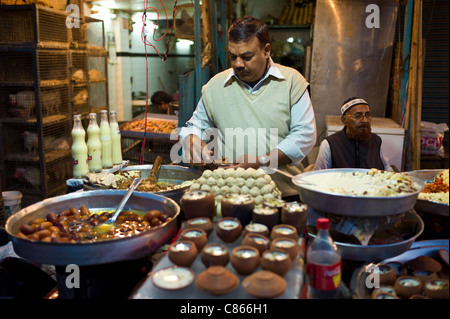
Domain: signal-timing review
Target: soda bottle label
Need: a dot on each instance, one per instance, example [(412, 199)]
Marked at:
[(324, 277)]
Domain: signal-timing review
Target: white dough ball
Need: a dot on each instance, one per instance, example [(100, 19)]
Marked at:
[(254, 191), (205, 187), (207, 173), (250, 183), (220, 182)]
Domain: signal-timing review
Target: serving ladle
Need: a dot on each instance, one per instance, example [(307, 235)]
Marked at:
[(270, 170), (111, 222)]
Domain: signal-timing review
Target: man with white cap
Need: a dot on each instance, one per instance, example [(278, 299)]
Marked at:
[(355, 146)]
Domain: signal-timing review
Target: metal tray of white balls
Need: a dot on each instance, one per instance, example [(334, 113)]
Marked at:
[(226, 181)]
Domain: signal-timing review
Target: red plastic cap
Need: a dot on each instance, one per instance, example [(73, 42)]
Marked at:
[(323, 223)]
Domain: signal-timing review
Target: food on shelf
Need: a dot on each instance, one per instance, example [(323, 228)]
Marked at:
[(437, 190), (153, 126)]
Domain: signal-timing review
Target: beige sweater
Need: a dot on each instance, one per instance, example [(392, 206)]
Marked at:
[(254, 123)]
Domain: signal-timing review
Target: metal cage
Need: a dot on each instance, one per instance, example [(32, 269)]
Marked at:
[(33, 25)]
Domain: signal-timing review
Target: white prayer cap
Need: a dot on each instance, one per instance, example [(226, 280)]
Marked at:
[(351, 103)]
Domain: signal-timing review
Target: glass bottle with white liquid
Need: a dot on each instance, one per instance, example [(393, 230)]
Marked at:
[(94, 145), (79, 149), (116, 144), (105, 139)]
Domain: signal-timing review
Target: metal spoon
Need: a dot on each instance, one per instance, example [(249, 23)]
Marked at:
[(270, 170), (110, 223)]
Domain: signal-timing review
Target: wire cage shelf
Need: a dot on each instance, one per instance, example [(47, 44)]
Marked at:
[(34, 84), (33, 25)]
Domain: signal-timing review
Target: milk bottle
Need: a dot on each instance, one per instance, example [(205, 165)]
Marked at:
[(94, 145), (79, 149), (105, 139), (116, 147)]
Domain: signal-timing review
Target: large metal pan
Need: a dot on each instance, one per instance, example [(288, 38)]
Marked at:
[(101, 252), (425, 206), (168, 173), (348, 205), (374, 253)]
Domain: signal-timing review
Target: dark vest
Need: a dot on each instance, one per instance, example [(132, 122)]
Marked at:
[(348, 153)]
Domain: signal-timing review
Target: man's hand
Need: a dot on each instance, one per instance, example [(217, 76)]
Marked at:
[(195, 151)]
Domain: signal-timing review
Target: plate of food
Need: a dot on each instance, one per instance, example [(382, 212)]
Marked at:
[(434, 198), (358, 192)]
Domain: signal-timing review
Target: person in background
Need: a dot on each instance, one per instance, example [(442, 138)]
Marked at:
[(161, 100), (254, 95), (355, 146)]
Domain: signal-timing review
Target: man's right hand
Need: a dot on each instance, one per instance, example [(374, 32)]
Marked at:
[(195, 151)]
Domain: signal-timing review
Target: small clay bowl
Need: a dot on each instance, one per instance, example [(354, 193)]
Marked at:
[(198, 204), (406, 286), (398, 267), (275, 203), (385, 295), (239, 206), (245, 259), (183, 253), (387, 275), (423, 263), (419, 296), (267, 216), (196, 235), (202, 223), (287, 245), (215, 254), (264, 284), (217, 280), (295, 214), (228, 229), (258, 241), (276, 261), (424, 276), (256, 228), (173, 278), (436, 289), (284, 231), (383, 290)]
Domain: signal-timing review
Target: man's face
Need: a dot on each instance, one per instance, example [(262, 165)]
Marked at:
[(358, 129), (248, 59)]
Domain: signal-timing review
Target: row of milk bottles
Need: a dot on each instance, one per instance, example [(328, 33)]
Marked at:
[(103, 147)]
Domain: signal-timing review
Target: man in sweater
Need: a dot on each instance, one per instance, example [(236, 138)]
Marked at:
[(355, 146), (255, 113)]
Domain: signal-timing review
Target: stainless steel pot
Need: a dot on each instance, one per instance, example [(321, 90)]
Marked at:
[(374, 253), (425, 206), (101, 252), (168, 173), (347, 205)]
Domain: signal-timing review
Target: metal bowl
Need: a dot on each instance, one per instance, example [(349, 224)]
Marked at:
[(425, 206), (375, 253), (101, 252), (348, 205), (173, 174)]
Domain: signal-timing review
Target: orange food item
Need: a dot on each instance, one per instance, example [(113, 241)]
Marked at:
[(438, 186), (153, 126)]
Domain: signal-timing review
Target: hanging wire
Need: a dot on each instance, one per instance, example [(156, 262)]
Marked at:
[(144, 34)]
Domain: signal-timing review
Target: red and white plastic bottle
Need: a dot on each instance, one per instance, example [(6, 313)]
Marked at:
[(323, 264)]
